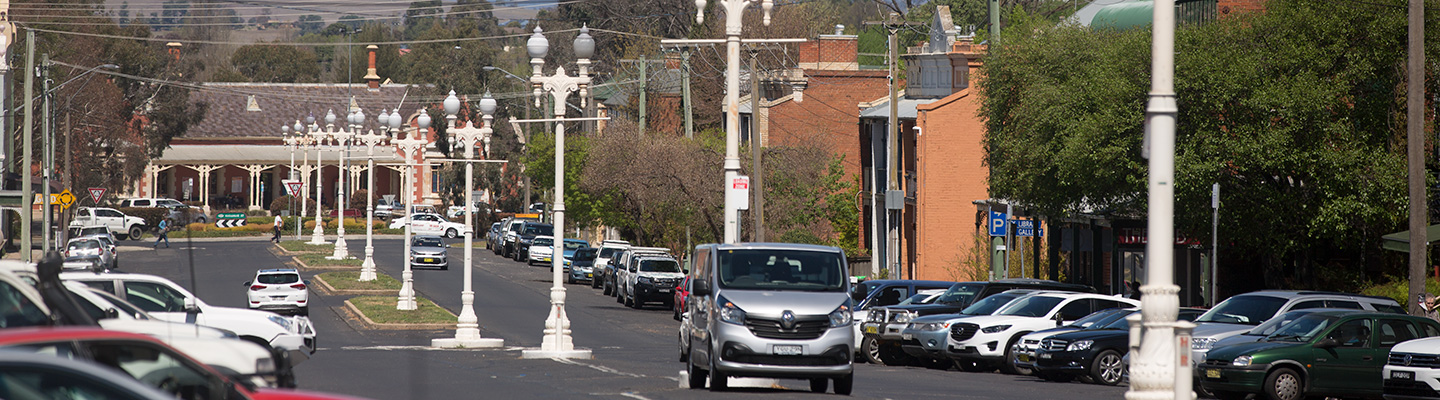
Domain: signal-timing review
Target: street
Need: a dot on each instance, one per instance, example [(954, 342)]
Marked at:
[(635, 350)]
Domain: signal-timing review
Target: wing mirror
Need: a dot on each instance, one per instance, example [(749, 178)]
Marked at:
[(700, 288), (247, 283), (1327, 343), (190, 306), (1059, 319), (111, 313)]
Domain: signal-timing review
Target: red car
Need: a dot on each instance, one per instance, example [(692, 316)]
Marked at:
[(148, 360), (682, 292)]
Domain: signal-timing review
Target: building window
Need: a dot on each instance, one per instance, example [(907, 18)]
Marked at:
[(434, 182)]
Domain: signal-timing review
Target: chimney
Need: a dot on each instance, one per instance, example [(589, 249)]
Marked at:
[(174, 49), (830, 52), (372, 80)]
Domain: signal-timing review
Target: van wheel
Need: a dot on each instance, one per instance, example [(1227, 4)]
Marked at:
[(697, 376), (818, 385), (844, 385), (135, 233), (718, 381)]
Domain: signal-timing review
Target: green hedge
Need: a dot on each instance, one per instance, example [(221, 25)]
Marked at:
[(1399, 289)]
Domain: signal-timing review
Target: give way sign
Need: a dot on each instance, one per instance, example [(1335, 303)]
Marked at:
[(96, 194)]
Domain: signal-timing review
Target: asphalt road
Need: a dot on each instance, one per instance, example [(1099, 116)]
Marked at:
[(635, 350)]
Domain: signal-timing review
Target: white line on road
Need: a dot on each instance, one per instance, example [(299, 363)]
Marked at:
[(403, 348), (600, 368), (634, 396)]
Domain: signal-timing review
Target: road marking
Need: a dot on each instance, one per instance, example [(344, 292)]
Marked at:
[(634, 396), (403, 348), (600, 368)]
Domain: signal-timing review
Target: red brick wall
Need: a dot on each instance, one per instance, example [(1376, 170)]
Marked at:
[(1235, 7), (952, 175), (829, 115), (829, 49)]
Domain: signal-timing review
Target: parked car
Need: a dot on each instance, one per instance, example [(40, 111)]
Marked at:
[(884, 330), (89, 253), (1324, 354), (168, 301), (279, 289), (875, 293), (492, 235), (581, 265), (924, 338), (682, 292), (616, 270), (429, 251), (114, 221), (651, 278), (1413, 369), (773, 310), (1240, 313), (1025, 349), (541, 250), (525, 235), (990, 339), (608, 249), (429, 224), (28, 375)]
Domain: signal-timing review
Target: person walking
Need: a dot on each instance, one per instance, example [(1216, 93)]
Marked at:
[(279, 225), (160, 233)]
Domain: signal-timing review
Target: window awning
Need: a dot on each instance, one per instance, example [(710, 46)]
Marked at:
[(1400, 241)]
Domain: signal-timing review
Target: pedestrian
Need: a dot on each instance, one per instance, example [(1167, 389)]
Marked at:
[(1430, 306), (160, 233), (279, 224)]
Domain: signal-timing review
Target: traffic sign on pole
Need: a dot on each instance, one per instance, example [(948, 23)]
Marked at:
[(292, 186), (997, 223), (96, 194), (65, 199), (1026, 228)]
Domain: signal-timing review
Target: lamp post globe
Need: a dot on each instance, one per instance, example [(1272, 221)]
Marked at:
[(537, 45), (395, 120), (584, 44), (309, 119), (452, 104), (423, 120), (359, 118), (330, 117)]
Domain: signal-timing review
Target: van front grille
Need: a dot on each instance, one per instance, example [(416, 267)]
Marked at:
[(805, 328)]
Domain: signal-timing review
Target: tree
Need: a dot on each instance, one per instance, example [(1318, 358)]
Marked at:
[(276, 63), (310, 23)]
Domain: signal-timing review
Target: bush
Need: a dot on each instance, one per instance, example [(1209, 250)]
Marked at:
[(357, 199), (1398, 288), (284, 203), (152, 216)]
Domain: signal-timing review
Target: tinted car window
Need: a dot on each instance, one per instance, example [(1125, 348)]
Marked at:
[(1075, 310), (659, 266), (607, 252), (1343, 304), (1354, 333), (17, 310), (960, 294), (545, 242), (584, 254), (427, 242), (1302, 329), (1388, 308), (988, 305), (153, 297), (539, 230), (1394, 331), (890, 296), (766, 269), (1270, 326), (1033, 306), (1244, 309), (276, 279)]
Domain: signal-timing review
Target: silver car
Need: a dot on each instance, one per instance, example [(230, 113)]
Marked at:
[(770, 310), (429, 251), (89, 253)]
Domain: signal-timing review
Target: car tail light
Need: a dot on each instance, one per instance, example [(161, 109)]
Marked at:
[(298, 286), (257, 287)]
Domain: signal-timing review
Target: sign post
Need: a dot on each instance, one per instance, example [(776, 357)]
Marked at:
[(96, 194), (229, 220)]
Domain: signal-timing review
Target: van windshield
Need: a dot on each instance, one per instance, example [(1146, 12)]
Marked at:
[(765, 269)]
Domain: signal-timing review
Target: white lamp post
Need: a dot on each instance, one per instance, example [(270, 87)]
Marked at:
[(409, 146), (557, 342), (291, 143), (318, 138), (370, 140), (733, 23), (342, 139), (302, 143), (467, 328)]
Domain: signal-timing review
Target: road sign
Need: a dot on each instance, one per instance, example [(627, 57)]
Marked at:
[(292, 187), (96, 194), (1026, 228), (65, 199), (231, 216), (741, 183), (997, 223), (229, 223), (739, 192)]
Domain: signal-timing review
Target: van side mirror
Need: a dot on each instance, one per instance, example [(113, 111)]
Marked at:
[(1327, 343), (700, 287)]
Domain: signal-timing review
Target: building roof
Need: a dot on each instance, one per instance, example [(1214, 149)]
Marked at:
[(194, 154), (881, 108), (258, 110)]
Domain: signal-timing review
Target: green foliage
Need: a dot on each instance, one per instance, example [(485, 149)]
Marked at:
[(1398, 288), (276, 64)]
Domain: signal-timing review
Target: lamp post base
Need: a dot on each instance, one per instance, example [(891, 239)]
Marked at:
[(317, 236), (342, 252), (407, 293), (367, 268)]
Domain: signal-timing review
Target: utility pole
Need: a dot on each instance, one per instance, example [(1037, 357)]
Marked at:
[(994, 22), (757, 171), (47, 159), (644, 78), (685, 93), (1415, 135), (894, 198), (27, 196)]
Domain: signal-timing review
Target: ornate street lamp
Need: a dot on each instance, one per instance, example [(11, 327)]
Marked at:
[(302, 143), (557, 342), (412, 144), (318, 139), (342, 139), (370, 140), (467, 328)]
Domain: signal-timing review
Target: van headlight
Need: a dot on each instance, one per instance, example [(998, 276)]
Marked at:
[(644, 280), (1243, 361), (729, 312), (1080, 345), (841, 316), (996, 328)]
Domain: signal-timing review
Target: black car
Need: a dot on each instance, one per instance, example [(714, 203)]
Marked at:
[(526, 234), (1095, 352)]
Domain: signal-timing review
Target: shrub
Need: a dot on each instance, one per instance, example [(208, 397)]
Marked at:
[(357, 199), (1398, 288)]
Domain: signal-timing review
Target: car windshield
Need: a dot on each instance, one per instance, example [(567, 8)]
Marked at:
[(920, 298), (427, 242), (1033, 306), (659, 265), (277, 279), (1099, 317), (1244, 309), (1302, 329), (988, 305), (770, 269), (1274, 324), (571, 244), (960, 294), (84, 244), (1116, 321), (539, 230), (585, 254), (608, 252), (543, 242)]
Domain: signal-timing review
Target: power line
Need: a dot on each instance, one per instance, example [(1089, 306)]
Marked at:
[(221, 42)]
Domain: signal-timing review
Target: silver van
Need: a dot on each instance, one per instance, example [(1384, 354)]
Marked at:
[(771, 310)]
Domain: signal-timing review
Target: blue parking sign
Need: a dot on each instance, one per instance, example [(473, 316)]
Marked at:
[(997, 223), (1023, 227)]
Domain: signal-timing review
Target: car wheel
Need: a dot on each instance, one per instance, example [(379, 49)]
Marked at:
[(892, 355), (870, 346), (697, 376), (1008, 366), (450, 233), (718, 380), (845, 384), (1106, 368), (818, 385), (684, 348), (135, 233), (629, 301), (604, 289), (676, 311), (1284, 384)]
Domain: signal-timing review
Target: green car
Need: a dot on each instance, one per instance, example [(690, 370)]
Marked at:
[(1323, 354)]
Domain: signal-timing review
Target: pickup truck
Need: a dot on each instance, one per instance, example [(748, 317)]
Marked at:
[(120, 225), (429, 224)]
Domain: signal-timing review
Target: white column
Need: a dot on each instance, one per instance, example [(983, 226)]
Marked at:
[(317, 236)]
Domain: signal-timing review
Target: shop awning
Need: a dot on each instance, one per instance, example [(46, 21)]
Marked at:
[(1400, 241)]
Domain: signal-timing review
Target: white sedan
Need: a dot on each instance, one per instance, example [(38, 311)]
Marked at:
[(429, 224)]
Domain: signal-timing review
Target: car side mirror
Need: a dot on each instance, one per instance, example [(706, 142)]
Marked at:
[(247, 283), (1327, 343), (700, 288), (111, 313), (1059, 319), (190, 306)]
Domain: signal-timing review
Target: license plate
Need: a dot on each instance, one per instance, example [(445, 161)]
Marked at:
[(787, 350), (664, 290), (1045, 355), (1212, 373), (871, 329), (428, 260), (277, 297), (906, 336), (587, 275), (1023, 357), (1405, 375)]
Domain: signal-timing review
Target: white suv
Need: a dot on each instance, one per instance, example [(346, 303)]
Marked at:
[(167, 301), (119, 224), (279, 289), (1413, 368), (651, 278), (990, 339)]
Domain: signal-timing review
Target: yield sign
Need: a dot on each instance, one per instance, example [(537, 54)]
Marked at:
[(96, 194), (293, 187)]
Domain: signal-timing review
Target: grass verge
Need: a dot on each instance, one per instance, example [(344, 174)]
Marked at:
[(381, 309), (318, 260), (350, 280), (303, 247)]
